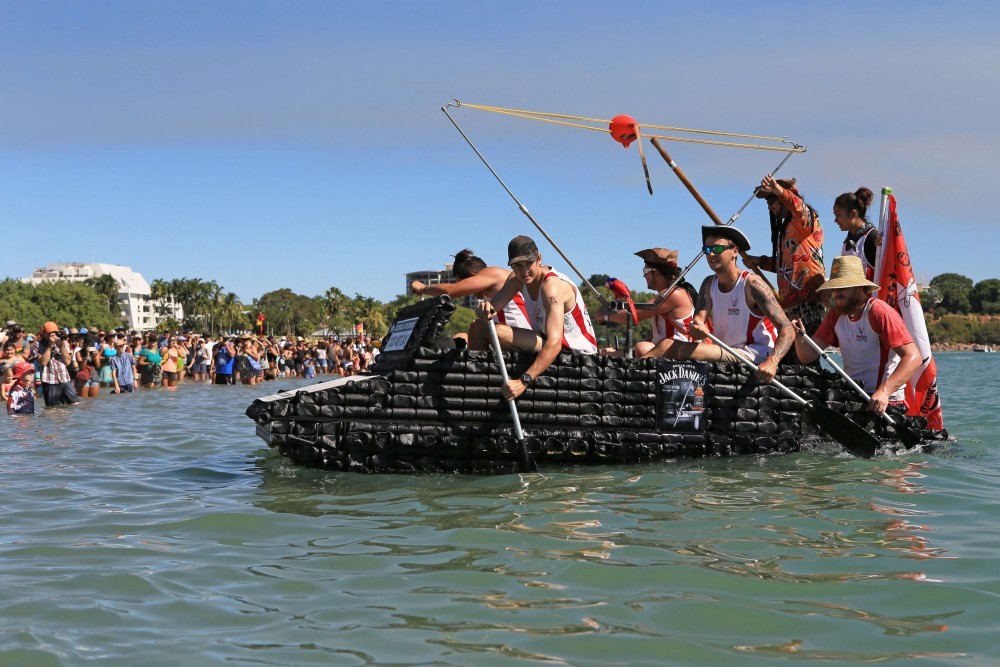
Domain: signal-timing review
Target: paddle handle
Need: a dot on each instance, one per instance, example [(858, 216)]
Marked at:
[(518, 433), (749, 364), (842, 373), (701, 200)]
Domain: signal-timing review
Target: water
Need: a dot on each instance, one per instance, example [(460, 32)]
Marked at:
[(157, 530)]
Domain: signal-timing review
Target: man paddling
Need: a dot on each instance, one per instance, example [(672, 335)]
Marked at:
[(672, 316), (877, 349), (557, 314), (483, 281), (744, 313)]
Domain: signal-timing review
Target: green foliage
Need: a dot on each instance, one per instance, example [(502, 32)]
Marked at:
[(68, 304), (288, 313), (953, 289), (985, 297), (460, 321), (951, 329), (608, 336)]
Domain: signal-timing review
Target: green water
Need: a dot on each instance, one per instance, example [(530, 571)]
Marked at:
[(157, 530)]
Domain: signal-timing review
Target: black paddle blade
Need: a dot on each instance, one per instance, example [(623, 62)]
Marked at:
[(909, 437), (855, 439)]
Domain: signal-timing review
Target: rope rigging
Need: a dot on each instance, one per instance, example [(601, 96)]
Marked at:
[(602, 125)]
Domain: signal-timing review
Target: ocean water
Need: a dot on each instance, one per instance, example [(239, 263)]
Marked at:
[(156, 529)]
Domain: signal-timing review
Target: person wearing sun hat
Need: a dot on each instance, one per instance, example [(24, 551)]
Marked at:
[(876, 347), (672, 316), (54, 357), (744, 312), (21, 395)]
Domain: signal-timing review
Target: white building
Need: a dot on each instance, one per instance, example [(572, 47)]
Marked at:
[(138, 311), (436, 277)]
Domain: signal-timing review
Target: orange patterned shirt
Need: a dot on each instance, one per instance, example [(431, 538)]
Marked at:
[(799, 253)]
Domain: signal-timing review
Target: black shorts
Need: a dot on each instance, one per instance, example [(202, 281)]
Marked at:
[(56, 394), (222, 378), (170, 375)]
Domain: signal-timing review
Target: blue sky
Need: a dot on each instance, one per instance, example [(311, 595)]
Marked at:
[(301, 144)]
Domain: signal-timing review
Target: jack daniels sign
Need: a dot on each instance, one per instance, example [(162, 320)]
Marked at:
[(680, 396)]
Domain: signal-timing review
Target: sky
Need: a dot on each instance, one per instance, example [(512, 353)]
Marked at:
[(301, 145)]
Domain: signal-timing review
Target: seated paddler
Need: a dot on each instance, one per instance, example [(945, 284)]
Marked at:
[(475, 277), (671, 314), (740, 307), (557, 314), (877, 349)]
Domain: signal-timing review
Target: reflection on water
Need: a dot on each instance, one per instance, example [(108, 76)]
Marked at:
[(122, 534)]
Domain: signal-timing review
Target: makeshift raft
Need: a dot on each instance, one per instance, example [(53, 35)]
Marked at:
[(427, 409)]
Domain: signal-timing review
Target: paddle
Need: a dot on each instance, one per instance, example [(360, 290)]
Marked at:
[(855, 439), (527, 463), (701, 200), (909, 437)]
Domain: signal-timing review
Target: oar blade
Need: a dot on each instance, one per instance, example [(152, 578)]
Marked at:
[(909, 437), (853, 437)]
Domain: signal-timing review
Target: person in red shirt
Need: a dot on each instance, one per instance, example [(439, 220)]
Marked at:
[(878, 351)]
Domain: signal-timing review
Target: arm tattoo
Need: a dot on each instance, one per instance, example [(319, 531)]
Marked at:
[(763, 297), (705, 296)]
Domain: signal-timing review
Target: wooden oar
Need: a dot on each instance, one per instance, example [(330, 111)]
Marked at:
[(527, 463), (701, 200), (855, 439), (909, 437)]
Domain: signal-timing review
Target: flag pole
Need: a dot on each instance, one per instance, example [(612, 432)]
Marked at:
[(883, 220)]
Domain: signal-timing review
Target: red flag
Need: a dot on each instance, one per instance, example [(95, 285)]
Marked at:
[(359, 328), (260, 323), (899, 290)]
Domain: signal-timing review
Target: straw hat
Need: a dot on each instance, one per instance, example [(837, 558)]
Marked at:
[(847, 271)]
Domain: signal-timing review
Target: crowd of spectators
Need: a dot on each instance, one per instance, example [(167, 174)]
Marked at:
[(64, 365)]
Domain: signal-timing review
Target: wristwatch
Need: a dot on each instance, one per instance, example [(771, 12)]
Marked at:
[(526, 379)]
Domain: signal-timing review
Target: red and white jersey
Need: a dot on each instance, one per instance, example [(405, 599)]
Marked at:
[(578, 331), (736, 326), (664, 327), (514, 314), (857, 249), (867, 344)]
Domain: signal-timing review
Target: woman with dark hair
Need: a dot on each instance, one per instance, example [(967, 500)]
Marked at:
[(850, 213), (484, 282)]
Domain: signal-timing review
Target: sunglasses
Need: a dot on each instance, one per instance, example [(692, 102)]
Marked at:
[(647, 270), (716, 249)]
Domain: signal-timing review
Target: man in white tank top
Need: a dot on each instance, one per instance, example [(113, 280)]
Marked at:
[(557, 314), (877, 349), (672, 314), (743, 310)]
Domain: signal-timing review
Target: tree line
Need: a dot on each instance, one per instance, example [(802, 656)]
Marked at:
[(210, 308)]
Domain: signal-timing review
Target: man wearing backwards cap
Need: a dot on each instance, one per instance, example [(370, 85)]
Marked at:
[(54, 357), (878, 351), (745, 315), (672, 316), (556, 311)]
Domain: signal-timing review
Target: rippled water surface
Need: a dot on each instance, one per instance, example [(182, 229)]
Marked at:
[(157, 530)]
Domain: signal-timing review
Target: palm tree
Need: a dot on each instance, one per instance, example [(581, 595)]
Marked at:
[(107, 286)]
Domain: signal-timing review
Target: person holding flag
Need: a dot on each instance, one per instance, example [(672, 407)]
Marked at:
[(850, 213), (260, 324), (898, 288)]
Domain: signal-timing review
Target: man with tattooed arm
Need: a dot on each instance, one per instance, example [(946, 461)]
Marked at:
[(743, 310)]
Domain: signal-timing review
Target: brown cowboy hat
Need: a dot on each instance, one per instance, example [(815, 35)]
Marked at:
[(787, 183), (660, 256)]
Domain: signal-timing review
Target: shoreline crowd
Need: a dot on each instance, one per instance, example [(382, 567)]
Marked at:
[(64, 365)]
